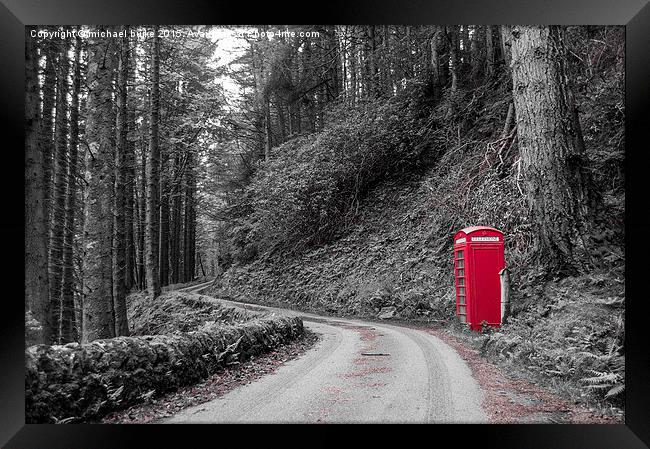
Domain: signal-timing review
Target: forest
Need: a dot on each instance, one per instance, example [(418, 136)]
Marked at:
[(326, 169)]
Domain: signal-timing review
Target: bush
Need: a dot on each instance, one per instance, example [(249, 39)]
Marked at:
[(312, 186)]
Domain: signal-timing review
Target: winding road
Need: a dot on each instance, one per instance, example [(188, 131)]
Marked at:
[(358, 372)]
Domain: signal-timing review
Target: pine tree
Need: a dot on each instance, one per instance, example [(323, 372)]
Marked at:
[(559, 189), (68, 321), (36, 226), (153, 175), (59, 192), (119, 219), (98, 313)]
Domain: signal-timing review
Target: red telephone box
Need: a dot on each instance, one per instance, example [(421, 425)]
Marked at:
[(478, 259)]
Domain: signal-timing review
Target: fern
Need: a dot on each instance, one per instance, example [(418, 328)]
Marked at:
[(601, 380), (618, 389)]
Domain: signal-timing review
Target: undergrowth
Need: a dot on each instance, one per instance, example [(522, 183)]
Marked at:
[(174, 312)]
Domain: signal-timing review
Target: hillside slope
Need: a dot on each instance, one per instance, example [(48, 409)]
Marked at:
[(393, 258), (396, 261)]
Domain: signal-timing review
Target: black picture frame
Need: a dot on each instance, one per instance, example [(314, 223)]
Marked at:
[(634, 14)]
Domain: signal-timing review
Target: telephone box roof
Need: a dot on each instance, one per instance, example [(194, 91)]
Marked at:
[(471, 229)]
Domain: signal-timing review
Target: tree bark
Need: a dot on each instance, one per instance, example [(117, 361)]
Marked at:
[(141, 198), (353, 67), (510, 118), (47, 127), (437, 73), (267, 129), (175, 256), (344, 62), (188, 238), (36, 226), (119, 219), (59, 193), (452, 34), (475, 49), (372, 61), (153, 175), (46, 144), (98, 315), (504, 41), (386, 73), (489, 51), (281, 123), (164, 228), (553, 161), (69, 331), (464, 52), (129, 205), (332, 47)]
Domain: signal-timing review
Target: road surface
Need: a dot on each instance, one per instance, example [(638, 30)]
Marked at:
[(358, 372)]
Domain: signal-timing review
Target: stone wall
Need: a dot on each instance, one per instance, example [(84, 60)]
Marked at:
[(82, 382)]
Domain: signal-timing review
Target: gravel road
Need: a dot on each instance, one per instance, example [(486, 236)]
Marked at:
[(358, 372)]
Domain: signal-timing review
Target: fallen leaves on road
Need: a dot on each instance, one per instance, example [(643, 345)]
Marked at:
[(509, 401)]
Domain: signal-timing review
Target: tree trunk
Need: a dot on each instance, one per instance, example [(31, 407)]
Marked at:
[(437, 74), (175, 256), (98, 317), (387, 77), (333, 46), (129, 205), (141, 197), (553, 161), (68, 317), (119, 219), (353, 68), (505, 42), (79, 252), (475, 50), (510, 118), (47, 128), (46, 144), (267, 128), (188, 238), (372, 62), (281, 124), (408, 71), (59, 192), (201, 264), (464, 52), (452, 33), (192, 248), (489, 51), (36, 226), (344, 63), (164, 228), (153, 175)]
